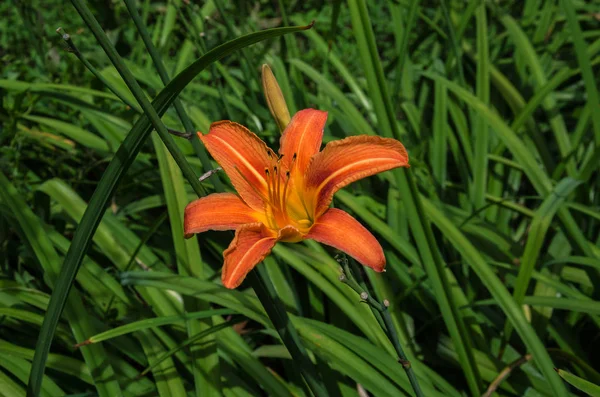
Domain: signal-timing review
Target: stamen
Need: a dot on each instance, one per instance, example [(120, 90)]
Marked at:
[(277, 187), (250, 184), (284, 196), (269, 187)]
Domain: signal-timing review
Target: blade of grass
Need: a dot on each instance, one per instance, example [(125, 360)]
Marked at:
[(525, 48), (537, 235), (265, 291), (480, 127), (579, 383), (581, 49), (151, 323), (165, 374)]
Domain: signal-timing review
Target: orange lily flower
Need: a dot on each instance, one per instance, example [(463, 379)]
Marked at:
[(286, 197)]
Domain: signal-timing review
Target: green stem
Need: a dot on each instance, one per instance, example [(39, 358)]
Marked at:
[(73, 48), (382, 314), (164, 76), (261, 283), (139, 95)]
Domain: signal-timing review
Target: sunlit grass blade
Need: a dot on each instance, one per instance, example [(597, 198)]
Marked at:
[(203, 334), (151, 323), (579, 383)]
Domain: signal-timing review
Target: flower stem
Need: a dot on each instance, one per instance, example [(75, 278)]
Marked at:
[(261, 283), (382, 314), (164, 76), (139, 95)]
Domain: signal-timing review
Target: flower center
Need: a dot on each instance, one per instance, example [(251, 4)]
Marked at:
[(284, 204)]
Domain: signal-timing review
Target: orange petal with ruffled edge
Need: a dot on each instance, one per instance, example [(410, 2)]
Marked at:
[(217, 211), (338, 229), (243, 156), (251, 244), (347, 160), (302, 137)]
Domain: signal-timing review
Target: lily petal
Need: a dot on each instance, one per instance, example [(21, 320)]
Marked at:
[(251, 244), (347, 160), (302, 138), (217, 211), (243, 156), (338, 229)]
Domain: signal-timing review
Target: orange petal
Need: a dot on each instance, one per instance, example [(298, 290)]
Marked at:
[(243, 156), (302, 138), (339, 230), (217, 211), (251, 244), (347, 160)]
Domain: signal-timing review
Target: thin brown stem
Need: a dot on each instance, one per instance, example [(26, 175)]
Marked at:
[(505, 373)]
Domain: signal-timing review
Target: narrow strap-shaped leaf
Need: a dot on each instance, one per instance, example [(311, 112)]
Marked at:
[(153, 322), (580, 383)]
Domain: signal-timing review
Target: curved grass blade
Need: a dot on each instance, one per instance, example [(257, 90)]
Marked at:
[(537, 234), (108, 183), (207, 332), (579, 383), (151, 323), (165, 374), (591, 84)]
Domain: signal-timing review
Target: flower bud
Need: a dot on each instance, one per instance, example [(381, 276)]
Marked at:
[(275, 99)]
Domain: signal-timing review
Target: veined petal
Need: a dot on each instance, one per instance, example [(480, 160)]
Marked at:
[(243, 156), (251, 244), (217, 211), (338, 229), (347, 160), (302, 138)]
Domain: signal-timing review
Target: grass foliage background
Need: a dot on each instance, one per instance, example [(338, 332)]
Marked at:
[(491, 237)]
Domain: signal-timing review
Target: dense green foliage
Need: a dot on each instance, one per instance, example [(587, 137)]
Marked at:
[(492, 237)]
